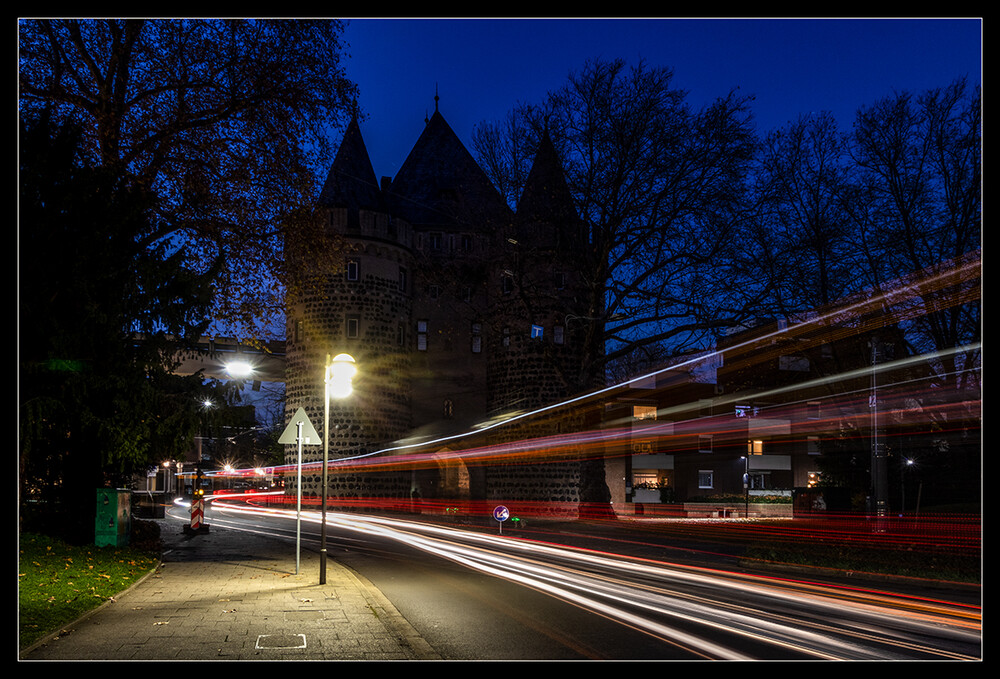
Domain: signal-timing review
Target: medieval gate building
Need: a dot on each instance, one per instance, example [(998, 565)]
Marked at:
[(456, 308)]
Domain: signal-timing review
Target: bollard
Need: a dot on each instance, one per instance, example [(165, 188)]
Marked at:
[(197, 524)]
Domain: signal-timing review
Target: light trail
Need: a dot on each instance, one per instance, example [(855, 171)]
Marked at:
[(694, 608), (948, 284)]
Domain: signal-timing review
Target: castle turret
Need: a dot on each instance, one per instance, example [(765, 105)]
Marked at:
[(537, 313), (362, 307)]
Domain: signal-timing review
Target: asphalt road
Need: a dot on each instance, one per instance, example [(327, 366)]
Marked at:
[(476, 595)]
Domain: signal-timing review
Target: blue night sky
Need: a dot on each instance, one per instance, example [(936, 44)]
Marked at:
[(481, 68)]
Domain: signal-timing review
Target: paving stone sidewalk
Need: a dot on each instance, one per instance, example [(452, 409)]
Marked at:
[(232, 595)]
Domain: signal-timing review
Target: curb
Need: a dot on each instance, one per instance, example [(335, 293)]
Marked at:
[(65, 629)]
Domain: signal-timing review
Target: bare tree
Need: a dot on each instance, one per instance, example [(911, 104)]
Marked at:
[(660, 189), (225, 120), (919, 199), (802, 176)]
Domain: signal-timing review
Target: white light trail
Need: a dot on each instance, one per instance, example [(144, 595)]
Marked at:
[(684, 606)]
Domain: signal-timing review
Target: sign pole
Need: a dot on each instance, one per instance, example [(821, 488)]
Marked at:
[(299, 431), (298, 499), (501, 514)]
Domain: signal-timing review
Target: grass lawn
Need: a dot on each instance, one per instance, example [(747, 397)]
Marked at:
[(57, 582)]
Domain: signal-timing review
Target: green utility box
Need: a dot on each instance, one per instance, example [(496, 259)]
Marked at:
[(114, 517)]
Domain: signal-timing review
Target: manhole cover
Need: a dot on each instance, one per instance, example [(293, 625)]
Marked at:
[(281, 641)]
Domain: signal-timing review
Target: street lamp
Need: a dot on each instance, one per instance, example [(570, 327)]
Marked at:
[(239, 369), (337, 379)]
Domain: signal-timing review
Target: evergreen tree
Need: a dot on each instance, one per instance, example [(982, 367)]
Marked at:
[(96, 405)]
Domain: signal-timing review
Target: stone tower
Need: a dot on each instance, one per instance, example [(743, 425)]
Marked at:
[(364, 308), (538, 313)]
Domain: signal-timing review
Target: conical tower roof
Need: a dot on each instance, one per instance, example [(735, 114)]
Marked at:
[(546, 214), (440, 184), (351, 181)]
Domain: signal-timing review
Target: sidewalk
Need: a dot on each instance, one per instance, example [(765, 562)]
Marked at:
[(230, 595)]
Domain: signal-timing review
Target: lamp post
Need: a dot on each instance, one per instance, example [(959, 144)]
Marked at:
[(337, 384), (746, 486)]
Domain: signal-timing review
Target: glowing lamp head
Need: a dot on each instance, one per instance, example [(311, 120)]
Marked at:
[(239, 369), (339, 374)]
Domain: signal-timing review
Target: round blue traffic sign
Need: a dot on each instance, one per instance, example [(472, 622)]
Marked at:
[(501, 513)]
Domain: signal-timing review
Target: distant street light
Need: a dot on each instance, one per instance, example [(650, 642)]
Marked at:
[(337, 380)]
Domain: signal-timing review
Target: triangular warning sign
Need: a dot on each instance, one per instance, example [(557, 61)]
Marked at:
[(291, 433)]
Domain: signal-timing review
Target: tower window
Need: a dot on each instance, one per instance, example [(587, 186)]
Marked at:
[(353, 269), (353, 327), (422, 335), (477, 338)]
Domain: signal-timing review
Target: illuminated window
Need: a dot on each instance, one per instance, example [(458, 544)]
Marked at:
[(644, 412), (755, 447), (645, 476)]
